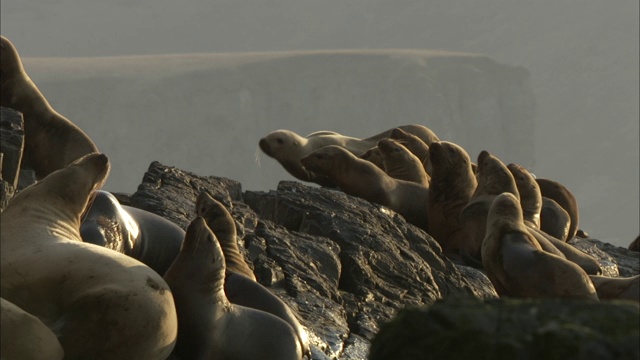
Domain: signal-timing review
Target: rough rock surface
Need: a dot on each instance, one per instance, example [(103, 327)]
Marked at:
[(512, 329)]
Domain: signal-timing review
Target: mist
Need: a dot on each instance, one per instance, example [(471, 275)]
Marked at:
[(579, 58)]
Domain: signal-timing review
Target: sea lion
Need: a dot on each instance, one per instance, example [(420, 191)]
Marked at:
[(288, 148), (240, 284), (416, 145), (147, 237), (516, 264), (99, 303), (363, 179), (493, 178), (209, 326), (531, 203), (554, 220), (627, 288), (400, 163), (451, 187), (25, 337), (635, 244), (51, 141), (374, 156), (560, 194)]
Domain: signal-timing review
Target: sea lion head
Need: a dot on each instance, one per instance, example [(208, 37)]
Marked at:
[(530, 196), (493, 176), (448, 158), (278, 144), (374, 156), (323, 160), (70, 188), (505, 210), (215, 214), (202, 247), (10, 62)]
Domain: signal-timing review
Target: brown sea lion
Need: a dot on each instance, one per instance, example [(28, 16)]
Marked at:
[(608, 288), (400, 163), (560, 194), (554, 220), (531, 203), (361, 178), (25, 337), (211, 327), (374, 156), (416, 145), (493, 179), (51, 141), (451, 187), (635, 244), (516, 264), (99, 303)]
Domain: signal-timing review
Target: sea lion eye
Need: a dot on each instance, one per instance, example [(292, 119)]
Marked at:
[(280, 141)]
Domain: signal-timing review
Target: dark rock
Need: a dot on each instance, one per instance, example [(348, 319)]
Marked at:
[(622, 262), (512, 329), (6, 193), (11, 144)]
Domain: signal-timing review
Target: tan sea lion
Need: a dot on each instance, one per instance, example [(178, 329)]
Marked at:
[(560, 194), (531, 203), (25, 337), (493, 179), (99, 303), (608, 288), (402, 164), (209, 326), (374, 156), (452, 184), (288, 148), (416, 145), (516, 264), (554, 220), (240, 284), (51, 141), (363, 179)]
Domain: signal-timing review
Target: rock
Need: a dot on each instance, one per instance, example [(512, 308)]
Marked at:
[(625, 262), (512, 329), (12, 144), (6, 193)]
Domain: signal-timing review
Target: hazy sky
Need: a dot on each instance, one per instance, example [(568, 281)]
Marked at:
[(582, 56)]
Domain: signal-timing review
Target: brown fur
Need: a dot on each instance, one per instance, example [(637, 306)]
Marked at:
[(400, 163), (560, 194)]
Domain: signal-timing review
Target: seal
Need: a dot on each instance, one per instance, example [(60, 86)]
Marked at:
[(51, 141), (147, 237), (554, 220), (417, 146), (452, 185), (99, 303), (288, 148), (559, 193), (362, 179), (608, 288), (25, 336), (635, 244), (240, 284), (531, 203), (374, 156), (516, 264), (209, 326), (400, 163), (493, 179)]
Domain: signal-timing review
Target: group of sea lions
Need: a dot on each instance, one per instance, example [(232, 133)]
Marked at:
[(84, 277), (496, 217)]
